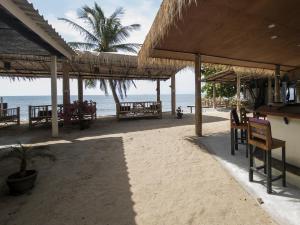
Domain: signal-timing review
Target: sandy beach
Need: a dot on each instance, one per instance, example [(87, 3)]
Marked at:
[(139, 172)]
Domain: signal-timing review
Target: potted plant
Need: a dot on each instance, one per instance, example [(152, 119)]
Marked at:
[(22, 181)]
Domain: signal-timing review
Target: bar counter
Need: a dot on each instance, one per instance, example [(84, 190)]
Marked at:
[(285, 124)]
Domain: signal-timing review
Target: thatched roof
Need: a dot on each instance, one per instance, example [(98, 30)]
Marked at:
[(252, 34), (169, 12), (230, 74), (24, 31), (85, 64)]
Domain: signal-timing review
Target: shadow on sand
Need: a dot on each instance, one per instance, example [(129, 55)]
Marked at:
[(88, 184)]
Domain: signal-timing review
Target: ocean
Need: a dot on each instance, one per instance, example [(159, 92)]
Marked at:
[(105, 104)]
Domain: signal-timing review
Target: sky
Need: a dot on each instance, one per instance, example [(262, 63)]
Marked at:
[(136, 11)]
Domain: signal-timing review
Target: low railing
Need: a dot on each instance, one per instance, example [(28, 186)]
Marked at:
[(139, 109), (11, 115), (42, 114), (219, 103)]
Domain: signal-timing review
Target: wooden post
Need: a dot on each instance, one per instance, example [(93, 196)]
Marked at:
[(214, 96), (80, 89), (1, 106), (66, 92), (277, 84), (238, 92), (29, 116), (18, 115), (54, 96), (298, 92), (158, 90), (270, 95), (66, 84), (173, 94), (198, 103)]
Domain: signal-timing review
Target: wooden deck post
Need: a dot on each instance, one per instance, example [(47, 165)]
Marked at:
[(53, 68), (214, 95), (270, 95), (66, 84), (18, 115), (238, 92), (80, 89), (158, 90), (66, 91), (173, 94), (277, 84), (198, 101)]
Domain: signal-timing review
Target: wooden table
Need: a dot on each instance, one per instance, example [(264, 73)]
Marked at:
[(191, 107)]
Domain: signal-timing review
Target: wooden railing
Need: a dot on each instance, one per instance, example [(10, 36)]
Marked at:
[(11, 115), (42, 114), (139, 109), (220, 103)]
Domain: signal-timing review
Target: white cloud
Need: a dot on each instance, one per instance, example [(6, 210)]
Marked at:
[(64, 29)]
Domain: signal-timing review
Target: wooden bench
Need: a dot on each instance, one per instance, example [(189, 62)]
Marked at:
[(10, 115), (130, 110), (42, 114)]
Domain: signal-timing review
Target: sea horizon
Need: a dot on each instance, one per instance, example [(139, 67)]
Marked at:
[(105, 103)]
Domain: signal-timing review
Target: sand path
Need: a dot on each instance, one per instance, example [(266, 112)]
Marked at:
[(146, 172)]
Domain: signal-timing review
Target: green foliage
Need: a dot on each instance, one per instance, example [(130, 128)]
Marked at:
[(104, 34), (24, 154), (222, 89)]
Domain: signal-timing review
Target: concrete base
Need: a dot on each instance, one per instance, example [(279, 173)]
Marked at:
[(283, 205)]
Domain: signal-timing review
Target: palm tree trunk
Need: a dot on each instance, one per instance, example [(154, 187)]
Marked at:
[(114, 93)]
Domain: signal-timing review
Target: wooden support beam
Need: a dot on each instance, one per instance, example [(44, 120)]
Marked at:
[(238, 92), (54, 115), (80, 89), (270, 93), (158, 90), (198, 103), (277, 84), (66, 84), (214, 95), (173, 94)]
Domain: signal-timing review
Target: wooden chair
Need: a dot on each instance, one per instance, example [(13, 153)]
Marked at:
[(235, 126), (260, 136)]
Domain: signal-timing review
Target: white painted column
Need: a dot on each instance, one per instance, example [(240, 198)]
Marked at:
[(238, 92), (53, 68)]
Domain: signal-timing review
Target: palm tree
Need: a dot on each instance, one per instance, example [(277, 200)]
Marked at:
[(104, 34)]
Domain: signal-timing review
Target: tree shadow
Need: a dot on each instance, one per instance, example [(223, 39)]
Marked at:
[(88, 184)]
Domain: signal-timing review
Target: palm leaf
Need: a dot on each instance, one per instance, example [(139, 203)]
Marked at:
[(88, 36), (83, 45)]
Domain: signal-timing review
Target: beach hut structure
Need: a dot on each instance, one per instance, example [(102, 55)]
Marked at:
[(87, 65), (243, 77), (31, 48), (23, 31), (248, 34), (256, 34)]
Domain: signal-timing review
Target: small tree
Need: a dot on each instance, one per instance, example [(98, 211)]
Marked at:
[(222, 89)]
